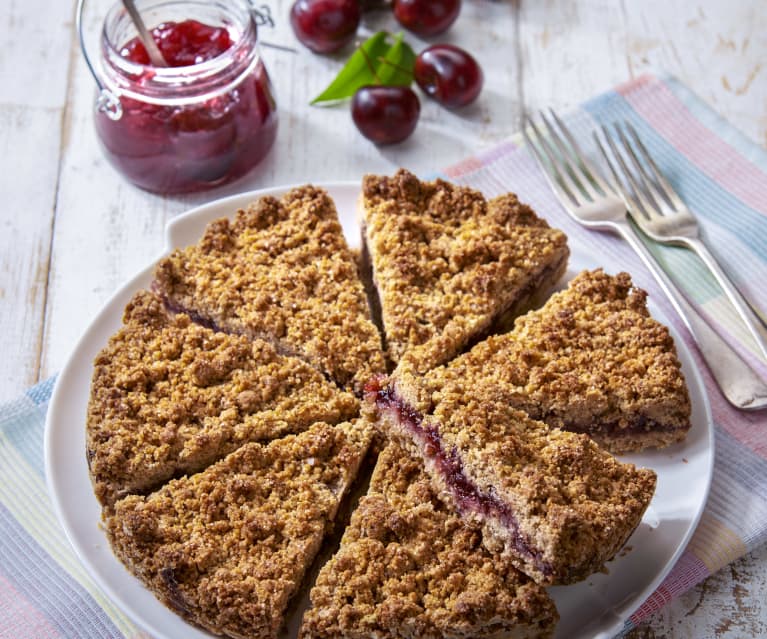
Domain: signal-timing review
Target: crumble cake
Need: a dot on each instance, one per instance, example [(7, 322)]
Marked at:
[(169, 396), (409, 568), (551, 501), (593, 361), (281, 271), (242, 349), (228, 547), (450, 267)]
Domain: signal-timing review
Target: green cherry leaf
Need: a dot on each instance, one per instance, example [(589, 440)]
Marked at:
[(396, 67), (376, 61), (357, 71)]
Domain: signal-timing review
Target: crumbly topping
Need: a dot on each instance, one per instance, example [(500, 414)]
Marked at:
[(591, 360), (233, 384), (281, 271), (551, 500), (228, 547), (409, 567), (447, 264), (169, 396)]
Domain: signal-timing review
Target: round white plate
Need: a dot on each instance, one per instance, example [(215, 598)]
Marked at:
[(596, 607)]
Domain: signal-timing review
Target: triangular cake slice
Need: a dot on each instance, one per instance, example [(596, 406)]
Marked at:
[(593, 361), (448, 266), (550, 501), (169, 397), (408, 566), (281, 271), (227, 548)]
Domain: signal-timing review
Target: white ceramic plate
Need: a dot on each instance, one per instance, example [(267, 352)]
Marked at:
[(596, 607)]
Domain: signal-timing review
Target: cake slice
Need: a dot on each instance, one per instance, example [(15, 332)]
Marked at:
[(448, 266), (227, 548), (593, 361), (409, 567), (550, 501), (280, 271), (169, 397)]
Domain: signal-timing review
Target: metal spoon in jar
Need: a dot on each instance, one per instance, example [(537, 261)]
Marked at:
[(143, 33)]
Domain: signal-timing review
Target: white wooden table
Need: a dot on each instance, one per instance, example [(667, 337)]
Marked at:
[(72, 230)]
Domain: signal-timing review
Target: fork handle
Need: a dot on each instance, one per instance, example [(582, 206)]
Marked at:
[(738, 382), (741, 305)]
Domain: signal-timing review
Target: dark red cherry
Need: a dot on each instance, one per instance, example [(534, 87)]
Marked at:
[(449, 75), (325, 25), (385, 115), (426, 17)]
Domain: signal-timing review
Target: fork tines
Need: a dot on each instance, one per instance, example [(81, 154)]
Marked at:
[(643, 185), (566, 166)]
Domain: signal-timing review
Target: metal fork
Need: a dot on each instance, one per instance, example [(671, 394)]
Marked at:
[(661, 214), (594, 203)]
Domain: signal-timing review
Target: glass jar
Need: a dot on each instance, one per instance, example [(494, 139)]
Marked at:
[(184, 128)]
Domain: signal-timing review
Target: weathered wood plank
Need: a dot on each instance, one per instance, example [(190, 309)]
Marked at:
[(36, 48), (570, 51), (728, 605), (29, 137), (718, 49), (33, 79)]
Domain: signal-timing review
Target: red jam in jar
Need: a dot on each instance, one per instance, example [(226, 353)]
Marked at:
[(205, 119), (181, 44)]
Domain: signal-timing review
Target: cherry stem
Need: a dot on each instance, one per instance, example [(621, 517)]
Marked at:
[(369, 62), (408, 72)]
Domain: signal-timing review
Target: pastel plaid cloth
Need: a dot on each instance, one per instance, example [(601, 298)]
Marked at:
[(44, 590), (722, 177)]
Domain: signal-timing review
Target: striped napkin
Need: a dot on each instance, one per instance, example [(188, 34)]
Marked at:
[(45, 592), (722, 177)]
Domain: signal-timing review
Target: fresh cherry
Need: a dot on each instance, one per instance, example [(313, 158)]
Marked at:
[(426, 17), (449, 75), (384, 114), (325, 25)]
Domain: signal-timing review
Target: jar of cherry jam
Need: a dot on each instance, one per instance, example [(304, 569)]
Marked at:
[(206, 118)]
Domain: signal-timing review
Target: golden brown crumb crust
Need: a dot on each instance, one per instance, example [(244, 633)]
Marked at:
[(281, 271), (233, 385), (591, 360), (228, 547), (559, 505), (169, 397), (447, 264), (409, 568)]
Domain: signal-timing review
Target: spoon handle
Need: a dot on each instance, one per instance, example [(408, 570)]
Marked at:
[(146, 38)]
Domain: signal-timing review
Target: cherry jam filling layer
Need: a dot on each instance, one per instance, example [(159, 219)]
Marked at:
[(469, 497), (280, 348), (640, 424), (197, 318), (504, 319)]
